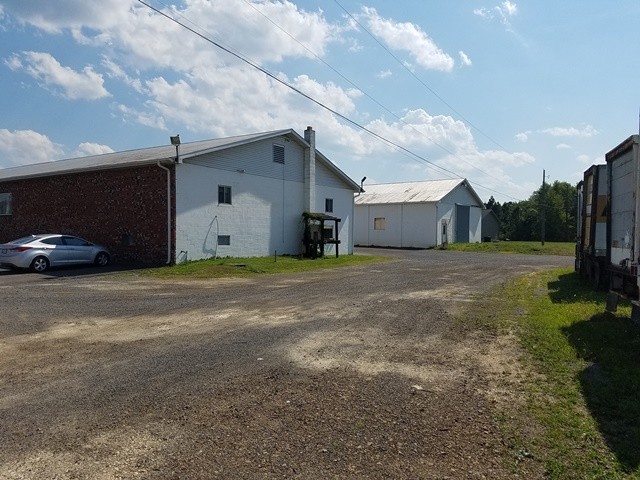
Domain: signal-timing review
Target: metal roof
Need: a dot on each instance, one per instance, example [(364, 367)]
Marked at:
[(151, 155), (411, 192), (129, 158)]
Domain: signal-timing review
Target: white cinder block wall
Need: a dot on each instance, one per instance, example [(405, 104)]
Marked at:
[(265, 214)]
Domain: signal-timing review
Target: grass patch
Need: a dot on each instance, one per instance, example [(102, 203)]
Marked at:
[(526, 248), (239, 267), (583, 389)]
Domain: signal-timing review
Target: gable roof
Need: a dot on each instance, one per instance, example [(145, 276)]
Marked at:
[(430, 191), (151, 155)]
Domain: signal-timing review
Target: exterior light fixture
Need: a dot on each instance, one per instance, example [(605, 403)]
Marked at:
[(176, 141)]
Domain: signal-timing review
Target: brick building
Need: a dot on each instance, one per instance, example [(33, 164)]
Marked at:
[(236, 196)]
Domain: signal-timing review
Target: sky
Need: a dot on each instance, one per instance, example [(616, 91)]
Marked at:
[(497, 92)]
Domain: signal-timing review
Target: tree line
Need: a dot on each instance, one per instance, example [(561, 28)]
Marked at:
[(554, 204)]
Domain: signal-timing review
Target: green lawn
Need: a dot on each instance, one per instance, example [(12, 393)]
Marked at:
[(527, 248), (581, 413), (234, 267)]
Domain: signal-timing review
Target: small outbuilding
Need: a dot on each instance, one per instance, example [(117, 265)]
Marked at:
[(418, 214), (490, 226), (239, 196)]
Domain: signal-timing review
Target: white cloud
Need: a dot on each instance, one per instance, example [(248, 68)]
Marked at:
[(143, 118), (384, 74), (410, 38), (22, 147), (149, 40), (207, 92), (504, 11), (464, 58), (508, 9), (115, 71), (522, 137), (73, 85), (586, 131), (54, 17), (563, 146), (86, 149), (483, 12)]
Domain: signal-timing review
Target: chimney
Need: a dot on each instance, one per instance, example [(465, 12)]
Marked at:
[(310, 171)]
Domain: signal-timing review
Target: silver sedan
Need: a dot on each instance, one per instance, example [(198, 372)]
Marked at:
[(39, 252)]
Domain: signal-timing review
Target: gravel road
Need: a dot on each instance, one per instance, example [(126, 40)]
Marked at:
[(350, 373)]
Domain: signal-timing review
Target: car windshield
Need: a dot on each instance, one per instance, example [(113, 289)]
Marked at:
[(23, 240)]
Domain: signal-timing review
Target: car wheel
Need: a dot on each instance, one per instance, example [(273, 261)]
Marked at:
[(102, 259), (39, 264)]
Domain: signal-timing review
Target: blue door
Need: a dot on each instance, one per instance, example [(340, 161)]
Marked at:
[(462, 223)]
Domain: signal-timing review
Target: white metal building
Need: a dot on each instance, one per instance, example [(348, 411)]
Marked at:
[(418, 214), (246, 197)]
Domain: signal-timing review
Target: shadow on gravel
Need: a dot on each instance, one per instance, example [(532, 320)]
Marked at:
[(72, 271)]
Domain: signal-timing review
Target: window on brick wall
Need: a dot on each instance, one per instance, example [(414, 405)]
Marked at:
[(5, 204), (224, 194), (224, 239)]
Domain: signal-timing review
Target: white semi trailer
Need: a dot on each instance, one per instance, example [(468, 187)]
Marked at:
[(623, 222)]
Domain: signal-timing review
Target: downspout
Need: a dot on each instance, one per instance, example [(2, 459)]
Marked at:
[(168, 211)]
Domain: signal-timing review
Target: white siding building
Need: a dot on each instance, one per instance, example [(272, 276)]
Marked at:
[(418, 214), (246, 197)]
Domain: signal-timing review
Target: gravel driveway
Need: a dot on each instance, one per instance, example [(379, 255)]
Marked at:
[(349, 373)]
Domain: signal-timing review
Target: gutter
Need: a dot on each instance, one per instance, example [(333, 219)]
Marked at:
[(168, 211)]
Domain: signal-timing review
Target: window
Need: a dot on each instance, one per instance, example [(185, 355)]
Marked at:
[(75, 242), (224, 239), (224, 194), (327, 233), (5, 204), (52, 241), (278, 154), (328, 204), (378, 223)]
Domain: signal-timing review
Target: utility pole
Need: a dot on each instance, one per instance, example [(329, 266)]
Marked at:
[(542, 208)]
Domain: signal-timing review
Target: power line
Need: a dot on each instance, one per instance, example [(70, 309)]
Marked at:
[(308, 97), (403, 65), (298, 91), (366, 93)]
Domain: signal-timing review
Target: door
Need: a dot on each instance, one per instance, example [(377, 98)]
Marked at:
[(462, 223), (78, 250)]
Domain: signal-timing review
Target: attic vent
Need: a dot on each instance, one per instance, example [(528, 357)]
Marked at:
[(278, 154)]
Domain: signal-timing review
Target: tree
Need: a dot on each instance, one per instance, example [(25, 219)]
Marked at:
[(523, 220)]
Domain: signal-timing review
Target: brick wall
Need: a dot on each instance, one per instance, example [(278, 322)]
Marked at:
[(123, 209)]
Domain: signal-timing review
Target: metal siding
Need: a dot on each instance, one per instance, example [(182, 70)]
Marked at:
[(257, 159), (326, 178), (418, 223), (622, 207)]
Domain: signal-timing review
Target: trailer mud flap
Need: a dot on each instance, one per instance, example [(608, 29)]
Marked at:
[(612, 302)]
